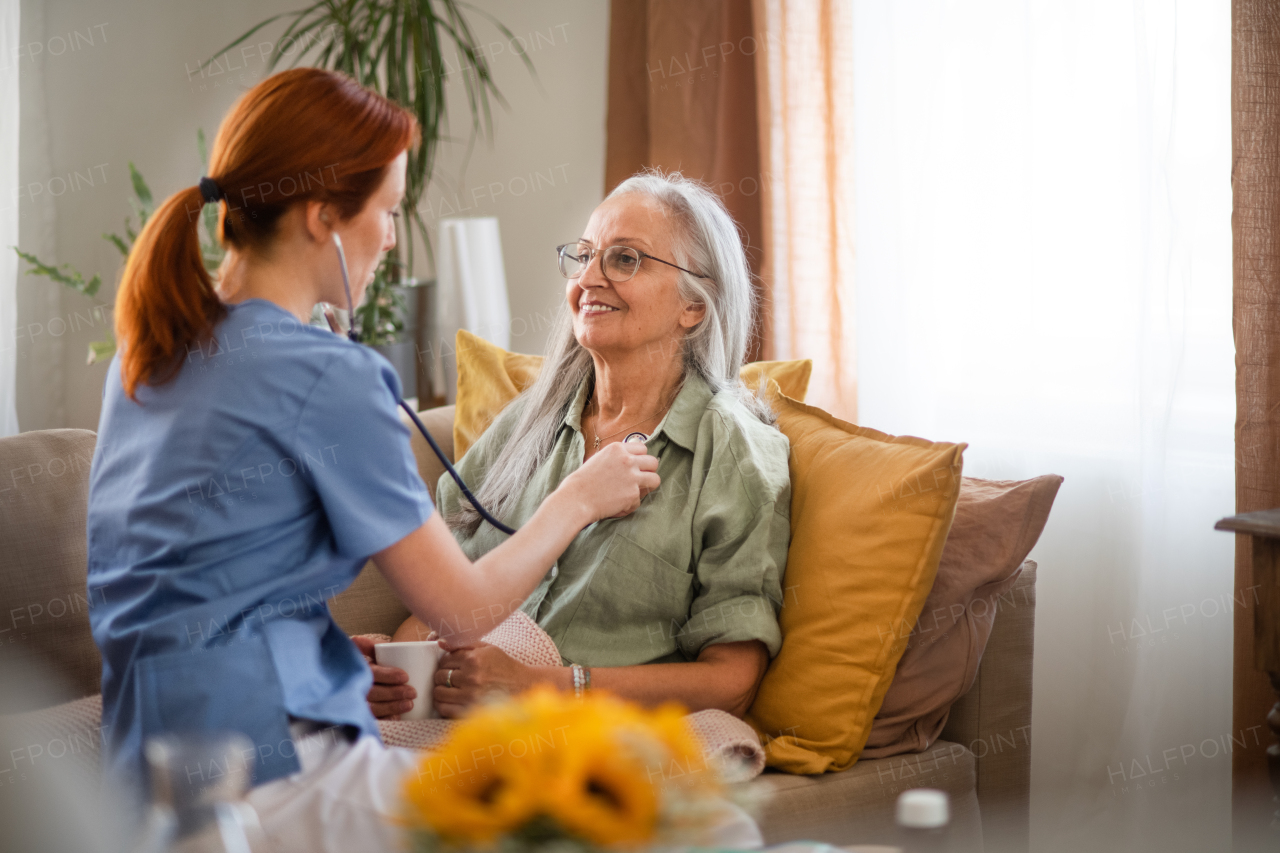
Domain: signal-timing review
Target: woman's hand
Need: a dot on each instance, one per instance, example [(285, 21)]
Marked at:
[(613, 482), (477, 671), (390, 696)]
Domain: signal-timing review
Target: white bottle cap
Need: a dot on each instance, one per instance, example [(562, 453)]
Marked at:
[(923, 808)]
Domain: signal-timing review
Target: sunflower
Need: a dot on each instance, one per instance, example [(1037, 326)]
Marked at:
[(601, 790), (545, 765), (471, 790)]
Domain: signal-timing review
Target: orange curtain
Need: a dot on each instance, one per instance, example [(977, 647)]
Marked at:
[(755, 97), (682, 96), (804, 78)]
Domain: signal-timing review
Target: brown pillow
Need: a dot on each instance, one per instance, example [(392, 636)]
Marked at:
[(996, 525)]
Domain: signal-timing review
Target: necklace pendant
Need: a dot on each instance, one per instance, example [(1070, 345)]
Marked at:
[(597, 444)]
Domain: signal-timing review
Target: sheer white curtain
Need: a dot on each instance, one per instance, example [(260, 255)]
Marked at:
[(9, 40), (1044, 271)]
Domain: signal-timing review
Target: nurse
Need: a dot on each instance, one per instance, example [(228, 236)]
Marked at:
[(248, 465)]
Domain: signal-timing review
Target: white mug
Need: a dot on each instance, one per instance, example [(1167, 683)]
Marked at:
[(419, 659)]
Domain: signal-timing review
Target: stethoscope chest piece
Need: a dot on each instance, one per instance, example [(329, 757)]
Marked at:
[(636, 436)]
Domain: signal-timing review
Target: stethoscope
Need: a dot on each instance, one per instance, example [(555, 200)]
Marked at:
[(413, 416)]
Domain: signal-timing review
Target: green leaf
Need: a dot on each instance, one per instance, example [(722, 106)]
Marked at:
[(101, 351), (63, 274), (118, 242), (140, 188)]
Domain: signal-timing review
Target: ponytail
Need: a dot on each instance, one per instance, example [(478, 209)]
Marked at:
[(166, 302), (300, 135)]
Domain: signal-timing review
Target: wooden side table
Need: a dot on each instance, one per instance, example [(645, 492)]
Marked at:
[(1264, 527)]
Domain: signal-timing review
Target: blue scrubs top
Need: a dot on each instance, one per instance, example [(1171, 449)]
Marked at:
[(226, 506)]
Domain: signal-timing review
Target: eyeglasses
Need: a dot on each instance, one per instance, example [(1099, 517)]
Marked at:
[(619, 263)]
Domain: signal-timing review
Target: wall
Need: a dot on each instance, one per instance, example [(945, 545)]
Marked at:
[(114, 81), (543, 174)]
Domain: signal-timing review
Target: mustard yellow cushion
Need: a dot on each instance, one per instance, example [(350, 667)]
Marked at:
[(489, 378), (792, 376), (870, 513)]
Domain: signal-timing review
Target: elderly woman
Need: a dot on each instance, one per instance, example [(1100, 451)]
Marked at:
[(677, 601)]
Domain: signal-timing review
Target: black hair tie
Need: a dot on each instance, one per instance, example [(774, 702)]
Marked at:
[(210, 190)]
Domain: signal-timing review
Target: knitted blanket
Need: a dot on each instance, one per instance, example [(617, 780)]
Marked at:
[(729, 743)]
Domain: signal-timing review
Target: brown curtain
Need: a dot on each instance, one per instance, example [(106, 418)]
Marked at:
[(682, 96), (1255, 144)]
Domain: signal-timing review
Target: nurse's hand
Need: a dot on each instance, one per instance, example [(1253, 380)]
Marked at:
[(613, 482), (390, 696)]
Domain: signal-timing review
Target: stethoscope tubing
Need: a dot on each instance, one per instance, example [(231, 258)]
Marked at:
[(457, 478), (354, 337)]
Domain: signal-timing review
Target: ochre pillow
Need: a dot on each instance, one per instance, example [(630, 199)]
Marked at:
[(870, 513), (997, 524), (489, 378), (792, 376)]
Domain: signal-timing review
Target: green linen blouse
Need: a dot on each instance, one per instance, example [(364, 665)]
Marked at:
[(700, 562)]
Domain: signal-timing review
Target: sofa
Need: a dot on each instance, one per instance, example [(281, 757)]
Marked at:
[(982, 760)]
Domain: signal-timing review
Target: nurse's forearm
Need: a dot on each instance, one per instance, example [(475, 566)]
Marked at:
[(464, 600)]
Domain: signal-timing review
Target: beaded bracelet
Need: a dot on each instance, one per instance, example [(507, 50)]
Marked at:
[(581, 680)]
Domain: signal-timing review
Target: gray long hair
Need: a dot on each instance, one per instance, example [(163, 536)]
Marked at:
[(706, 239)]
